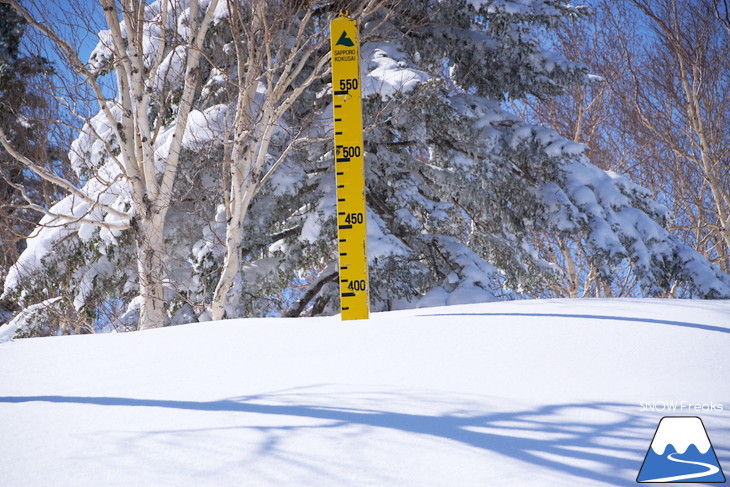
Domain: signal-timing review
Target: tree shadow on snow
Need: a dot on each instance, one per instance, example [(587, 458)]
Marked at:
[(683, 324), (603, 442)]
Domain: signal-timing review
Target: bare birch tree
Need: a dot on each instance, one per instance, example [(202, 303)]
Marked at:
[(674, 96), (146, 76), (660, 114), (282, 49)]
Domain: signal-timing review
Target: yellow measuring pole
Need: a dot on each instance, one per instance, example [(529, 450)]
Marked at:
[(349, 168)]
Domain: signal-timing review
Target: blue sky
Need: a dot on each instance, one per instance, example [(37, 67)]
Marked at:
[(77, 22)]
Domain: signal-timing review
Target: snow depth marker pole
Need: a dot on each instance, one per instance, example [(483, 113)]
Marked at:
[(349, 168)]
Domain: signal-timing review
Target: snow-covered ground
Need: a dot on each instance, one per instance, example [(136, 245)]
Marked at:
[(502, 394)]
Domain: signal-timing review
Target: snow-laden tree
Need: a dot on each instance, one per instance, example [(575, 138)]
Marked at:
[(128, 154), (457, 186)]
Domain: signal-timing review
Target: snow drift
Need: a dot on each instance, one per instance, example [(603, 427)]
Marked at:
[(520, 393)]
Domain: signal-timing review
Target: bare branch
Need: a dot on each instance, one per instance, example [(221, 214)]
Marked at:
[(72, 59), (59, 181)]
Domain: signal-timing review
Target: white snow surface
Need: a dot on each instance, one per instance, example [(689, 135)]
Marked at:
[(538, 393)]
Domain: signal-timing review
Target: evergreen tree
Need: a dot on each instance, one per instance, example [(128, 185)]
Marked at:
[(23, 113)]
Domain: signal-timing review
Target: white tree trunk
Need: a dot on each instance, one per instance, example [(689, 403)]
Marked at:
[(243, 186), (151, 269)]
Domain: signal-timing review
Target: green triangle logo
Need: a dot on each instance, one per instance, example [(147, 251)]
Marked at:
[(344, 40)]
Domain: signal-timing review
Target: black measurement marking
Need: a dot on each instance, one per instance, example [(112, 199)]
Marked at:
[(341, 186), (338, 106), (338, 133), (345, 227), (340, 173), (343, 254), (344, 280), (348, 295), (343, 240), (341, 92), (341, 213), (345, 309), (341, 199), (338, 120), (343, 159)]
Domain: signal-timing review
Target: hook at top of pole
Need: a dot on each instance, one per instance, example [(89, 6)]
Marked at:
[(345, 13)]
